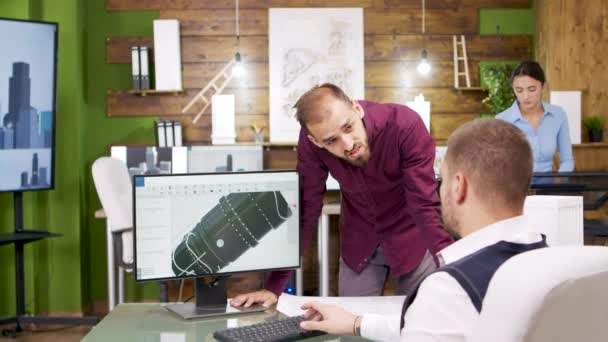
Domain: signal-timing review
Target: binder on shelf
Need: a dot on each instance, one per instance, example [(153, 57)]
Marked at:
[(177, 133), (144, 68), (135, 67), (161, 137), (169, 133)]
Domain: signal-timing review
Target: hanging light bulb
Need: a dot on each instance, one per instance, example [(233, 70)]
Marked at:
[(424, 67), (238, 70)]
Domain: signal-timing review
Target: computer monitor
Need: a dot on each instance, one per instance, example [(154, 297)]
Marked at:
[(212, 225), (28, 69), (225, 158)]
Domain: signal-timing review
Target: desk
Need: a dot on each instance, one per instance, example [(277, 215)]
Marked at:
[(152, 322)]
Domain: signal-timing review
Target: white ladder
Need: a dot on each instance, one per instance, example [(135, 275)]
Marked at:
[(458, 59), (214, 87)]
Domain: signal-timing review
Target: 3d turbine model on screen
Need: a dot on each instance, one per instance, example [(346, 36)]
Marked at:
[(234, 225)]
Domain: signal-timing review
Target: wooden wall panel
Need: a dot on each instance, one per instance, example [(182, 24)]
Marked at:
[(392, 50), (452, 4), (389, 74), (377, 48), (196, 49), (572, 40), (462, 20), (123, 5), (280, 158), (219, 22), (118, 49), (196, 75), (442, 125), (440, 47), (120, 103), (591, 157), (443, 100)]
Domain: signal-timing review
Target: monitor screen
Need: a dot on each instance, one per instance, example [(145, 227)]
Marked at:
[(27, 104), (191, 225), (143, 160), (225, 158)]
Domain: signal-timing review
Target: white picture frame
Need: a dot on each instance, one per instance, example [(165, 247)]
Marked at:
[(310, 46)]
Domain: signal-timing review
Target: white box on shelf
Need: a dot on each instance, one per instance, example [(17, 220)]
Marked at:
[(167, 55), (560, 218), (222, 119), (423, 108), (570, 101)]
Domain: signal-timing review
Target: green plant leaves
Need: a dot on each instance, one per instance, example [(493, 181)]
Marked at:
[(496, 77)]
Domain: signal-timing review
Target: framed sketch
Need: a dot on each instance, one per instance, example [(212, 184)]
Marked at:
[(307, 47)]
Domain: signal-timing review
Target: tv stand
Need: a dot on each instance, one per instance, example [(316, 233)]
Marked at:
[(210, 301), (20, 237)]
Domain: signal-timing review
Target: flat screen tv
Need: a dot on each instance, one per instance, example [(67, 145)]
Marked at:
[(28, 74)]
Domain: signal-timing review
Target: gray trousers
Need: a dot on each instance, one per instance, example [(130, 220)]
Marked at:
[(371, 281)]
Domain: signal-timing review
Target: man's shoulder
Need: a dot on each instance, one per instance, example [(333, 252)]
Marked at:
[(391, 114), (557, 111)]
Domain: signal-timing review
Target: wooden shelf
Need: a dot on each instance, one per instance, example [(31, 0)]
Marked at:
[(472, 88), (145, 92), (586, 144)]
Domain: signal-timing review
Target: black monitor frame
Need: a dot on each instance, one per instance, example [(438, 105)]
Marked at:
[(52, 168), (210, 289)]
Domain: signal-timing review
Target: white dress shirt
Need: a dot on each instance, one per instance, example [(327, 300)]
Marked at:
[(442, 311)]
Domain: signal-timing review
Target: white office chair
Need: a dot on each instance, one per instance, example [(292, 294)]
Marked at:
[(111, 178), (552, 294)]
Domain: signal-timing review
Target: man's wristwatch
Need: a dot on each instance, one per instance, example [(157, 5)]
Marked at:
[(357, 326)]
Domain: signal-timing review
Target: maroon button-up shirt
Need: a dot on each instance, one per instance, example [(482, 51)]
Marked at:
[(390, 202)]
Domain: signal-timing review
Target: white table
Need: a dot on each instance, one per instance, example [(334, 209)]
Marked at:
[(323, 246)]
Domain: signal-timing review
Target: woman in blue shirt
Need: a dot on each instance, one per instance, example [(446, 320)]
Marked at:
[(545, 125)]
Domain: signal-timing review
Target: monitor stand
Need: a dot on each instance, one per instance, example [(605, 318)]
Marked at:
[(210, 301)]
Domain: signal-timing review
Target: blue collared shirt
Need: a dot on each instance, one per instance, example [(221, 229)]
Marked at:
[(552, 134)]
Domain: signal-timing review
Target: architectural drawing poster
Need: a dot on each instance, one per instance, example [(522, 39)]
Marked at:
[(309, 47)]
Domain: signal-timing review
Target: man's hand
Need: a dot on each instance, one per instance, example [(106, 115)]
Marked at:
[(328, 318), (265, 297)]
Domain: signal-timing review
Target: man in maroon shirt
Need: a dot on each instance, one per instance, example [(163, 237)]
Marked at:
[(382, 156)]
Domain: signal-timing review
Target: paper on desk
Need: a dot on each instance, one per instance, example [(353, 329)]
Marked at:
[(291, 305)]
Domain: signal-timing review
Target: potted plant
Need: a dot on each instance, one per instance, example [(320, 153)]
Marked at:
[(496, 78), (595, 126)]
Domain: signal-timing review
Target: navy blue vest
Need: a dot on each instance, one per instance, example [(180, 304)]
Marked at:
[(474, 271)]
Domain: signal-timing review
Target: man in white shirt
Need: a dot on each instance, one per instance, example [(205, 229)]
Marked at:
[(486, 174)]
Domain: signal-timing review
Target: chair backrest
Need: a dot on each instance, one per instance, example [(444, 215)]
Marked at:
[(111, 178), (560, 218), (551, 294)]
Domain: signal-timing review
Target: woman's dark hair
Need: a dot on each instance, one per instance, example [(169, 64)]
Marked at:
[(529, 68)]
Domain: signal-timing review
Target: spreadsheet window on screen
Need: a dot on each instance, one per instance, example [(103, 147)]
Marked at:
[(202, 224)]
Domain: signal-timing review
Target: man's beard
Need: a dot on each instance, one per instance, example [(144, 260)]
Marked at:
[(363, 159), (450, 222)]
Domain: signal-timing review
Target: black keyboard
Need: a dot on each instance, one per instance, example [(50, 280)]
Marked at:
[(285, 329)]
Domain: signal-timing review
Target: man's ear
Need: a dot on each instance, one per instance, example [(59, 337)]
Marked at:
[(357, 107), (460, 187), (314, 141)]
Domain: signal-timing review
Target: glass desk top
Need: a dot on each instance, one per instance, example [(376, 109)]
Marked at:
[(151, 322)]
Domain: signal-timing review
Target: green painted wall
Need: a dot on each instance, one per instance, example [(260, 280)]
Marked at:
[(510, 20), (101, 131)]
